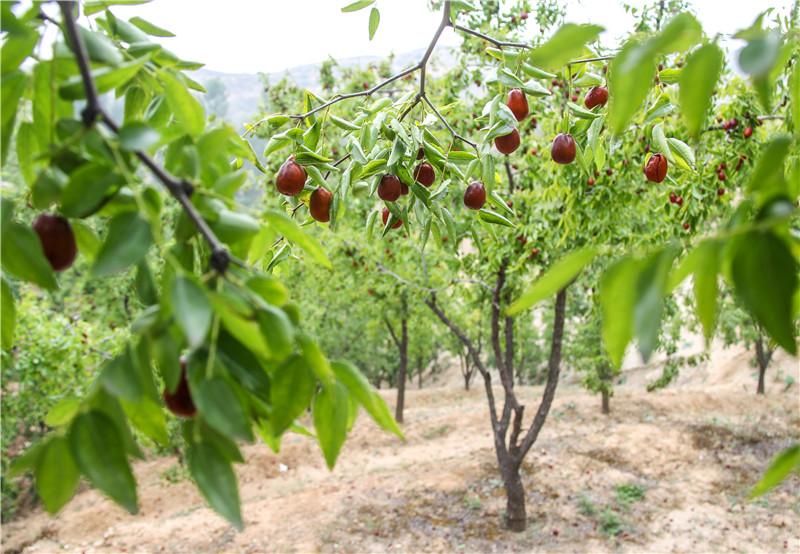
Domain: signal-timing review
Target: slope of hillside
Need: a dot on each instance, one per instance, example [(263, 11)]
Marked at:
[(665, 472)]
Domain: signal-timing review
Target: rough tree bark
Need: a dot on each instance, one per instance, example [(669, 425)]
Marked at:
[(402, 347), (512, 448), (605, 377), (763, 357)]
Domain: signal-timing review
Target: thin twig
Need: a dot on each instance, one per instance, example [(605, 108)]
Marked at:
[(446, 124), (487, 38), (179, 189), (369, 91)]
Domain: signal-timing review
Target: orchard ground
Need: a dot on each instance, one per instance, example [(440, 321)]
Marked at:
[(667, 471)]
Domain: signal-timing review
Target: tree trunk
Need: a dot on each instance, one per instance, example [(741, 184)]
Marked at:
[(420, 369), (762, 358), (401, 375), (605, 377), (515, 518)]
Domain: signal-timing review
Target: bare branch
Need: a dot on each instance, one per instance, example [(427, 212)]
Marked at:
[(391, 331), (423, 63), (476, 358), (553, 369), (368, 92), (446, 124), (487, 38), (179, 189)]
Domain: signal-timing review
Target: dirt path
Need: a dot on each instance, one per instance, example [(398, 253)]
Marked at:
[(666, 472)]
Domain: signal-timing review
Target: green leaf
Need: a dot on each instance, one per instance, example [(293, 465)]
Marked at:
[(660, 140), (682, 154), (374, 21), (22, 256), (100, 48), (651, 288), (617, 299), (630, 77), (277, 331), (764, 275), (291, 389), (220, 407), (569, 41), (191, 309), (128, 240), (794, 88), (767, 178), (289, 228), (12, 86), (91, 7), (494, 218), (331, 414), (150, 28), (63, 412), (360, 388), (16, 47), (99, 452), (137, 136), (697, 81), (705, 286), (760, 54), (360, 5), (26, 150), (554, 279), (316, 359), (633, 69), (88, 187), (57, 475), (9, 314), (783, 465), (148, 417), (216, 480), (269, 288), (187, 109), (105, 79), (120, 378)]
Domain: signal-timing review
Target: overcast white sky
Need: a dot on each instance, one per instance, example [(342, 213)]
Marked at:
[(272, 35)]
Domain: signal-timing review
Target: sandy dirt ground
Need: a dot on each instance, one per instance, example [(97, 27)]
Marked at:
[(665, 472)]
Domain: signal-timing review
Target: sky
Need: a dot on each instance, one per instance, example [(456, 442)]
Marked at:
[(248, 36)]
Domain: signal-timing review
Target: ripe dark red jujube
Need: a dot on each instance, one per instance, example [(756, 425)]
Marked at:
[(291, 178), (518, 104), (475, 196), (385, 217), (58, 240), (389, 188), (507, 144), (180, 402), (597, 96), (563, 149), (320, 205), (655, 169), (424, 174)]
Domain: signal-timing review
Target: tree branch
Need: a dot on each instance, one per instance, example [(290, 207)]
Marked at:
[(446, 124), (487, 378), (179, 189), (368, 92), (487, 38), (553, 369), (510, 176), (391, 331)]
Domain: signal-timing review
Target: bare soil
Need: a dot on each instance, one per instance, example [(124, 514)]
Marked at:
[(665, 472)]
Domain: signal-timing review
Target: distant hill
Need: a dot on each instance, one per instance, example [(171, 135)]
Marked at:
[(244, 89)]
